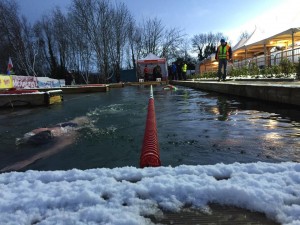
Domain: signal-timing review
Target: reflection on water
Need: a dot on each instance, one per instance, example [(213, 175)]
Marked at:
[(194, 127), (223, 108)]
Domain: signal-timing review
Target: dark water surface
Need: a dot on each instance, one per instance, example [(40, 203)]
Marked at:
[(194, 128)]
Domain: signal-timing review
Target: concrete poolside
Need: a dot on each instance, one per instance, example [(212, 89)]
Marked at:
[(286, 91)]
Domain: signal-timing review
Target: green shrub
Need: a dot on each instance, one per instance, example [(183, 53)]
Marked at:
[(238, 72), (210, 74), (268, 71), (287, 67), (244, 71), (253, 69), (263, 71), (276, 70), (234, 72)]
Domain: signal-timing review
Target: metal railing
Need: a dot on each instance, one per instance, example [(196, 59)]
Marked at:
[(270, 60), (260, 61)]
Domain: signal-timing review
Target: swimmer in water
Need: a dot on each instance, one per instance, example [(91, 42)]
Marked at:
[(62, 135), (169, 87), (44, 135)]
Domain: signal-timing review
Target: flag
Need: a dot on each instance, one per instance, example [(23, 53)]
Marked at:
[(9, 66)]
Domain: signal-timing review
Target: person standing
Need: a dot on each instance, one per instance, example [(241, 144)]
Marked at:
[(146, 73), (223, 54), (179, 73), (158, 72), (174, 71), (68, 78), (183, 70)]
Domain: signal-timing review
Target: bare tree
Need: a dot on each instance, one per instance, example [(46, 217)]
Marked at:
[(199, 42), (152, 36), (18, 37), (41, 65), (206, 43), (172, 40), (121, 21), (81, 51), (61, 34), (134, 42), (106, 27), (94, 18), (48, 42), (184, 50)]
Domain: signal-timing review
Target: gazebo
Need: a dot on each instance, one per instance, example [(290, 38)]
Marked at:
[(151, 61)]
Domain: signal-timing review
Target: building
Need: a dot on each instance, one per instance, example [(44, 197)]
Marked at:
[(261, 49)]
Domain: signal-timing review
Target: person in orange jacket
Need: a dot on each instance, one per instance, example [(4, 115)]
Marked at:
[(223, 54)]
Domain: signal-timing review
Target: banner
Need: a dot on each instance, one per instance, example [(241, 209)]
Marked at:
[(62, 82), (46, 82), (24, 82), (29, 82), (6, 81)]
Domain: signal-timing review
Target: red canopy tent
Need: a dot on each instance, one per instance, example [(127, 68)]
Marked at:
[(152, 61)]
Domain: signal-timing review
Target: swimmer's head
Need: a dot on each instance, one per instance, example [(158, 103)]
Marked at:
[(68, 124), (42, 137), (74, 124)]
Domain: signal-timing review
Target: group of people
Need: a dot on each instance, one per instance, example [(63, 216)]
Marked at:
[(156, 73), (177, 71), (223, 55)]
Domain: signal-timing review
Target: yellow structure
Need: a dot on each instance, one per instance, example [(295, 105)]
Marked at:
[(5, 82)]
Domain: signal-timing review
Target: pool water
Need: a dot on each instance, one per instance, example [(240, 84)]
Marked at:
[(194, 128)]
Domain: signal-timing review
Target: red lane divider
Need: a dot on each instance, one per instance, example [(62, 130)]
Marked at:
[(150, 150)]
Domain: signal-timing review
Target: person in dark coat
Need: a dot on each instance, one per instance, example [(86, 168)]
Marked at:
[(178, 67), (68, 78), (174, 71)]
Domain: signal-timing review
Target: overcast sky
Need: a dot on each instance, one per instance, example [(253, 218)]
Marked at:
[(230, 17)]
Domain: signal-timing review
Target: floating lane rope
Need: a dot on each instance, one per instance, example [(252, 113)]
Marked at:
[(150, 150)]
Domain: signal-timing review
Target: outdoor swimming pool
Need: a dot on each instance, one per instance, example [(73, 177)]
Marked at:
[(194, 128)]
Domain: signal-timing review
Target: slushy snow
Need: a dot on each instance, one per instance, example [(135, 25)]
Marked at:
[(123, 196)]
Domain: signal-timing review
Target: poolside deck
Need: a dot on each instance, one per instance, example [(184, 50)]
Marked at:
[(80, 88), (41, 98), (272, 90)]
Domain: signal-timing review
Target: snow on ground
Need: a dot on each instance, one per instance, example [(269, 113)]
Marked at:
[(123, 196)]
